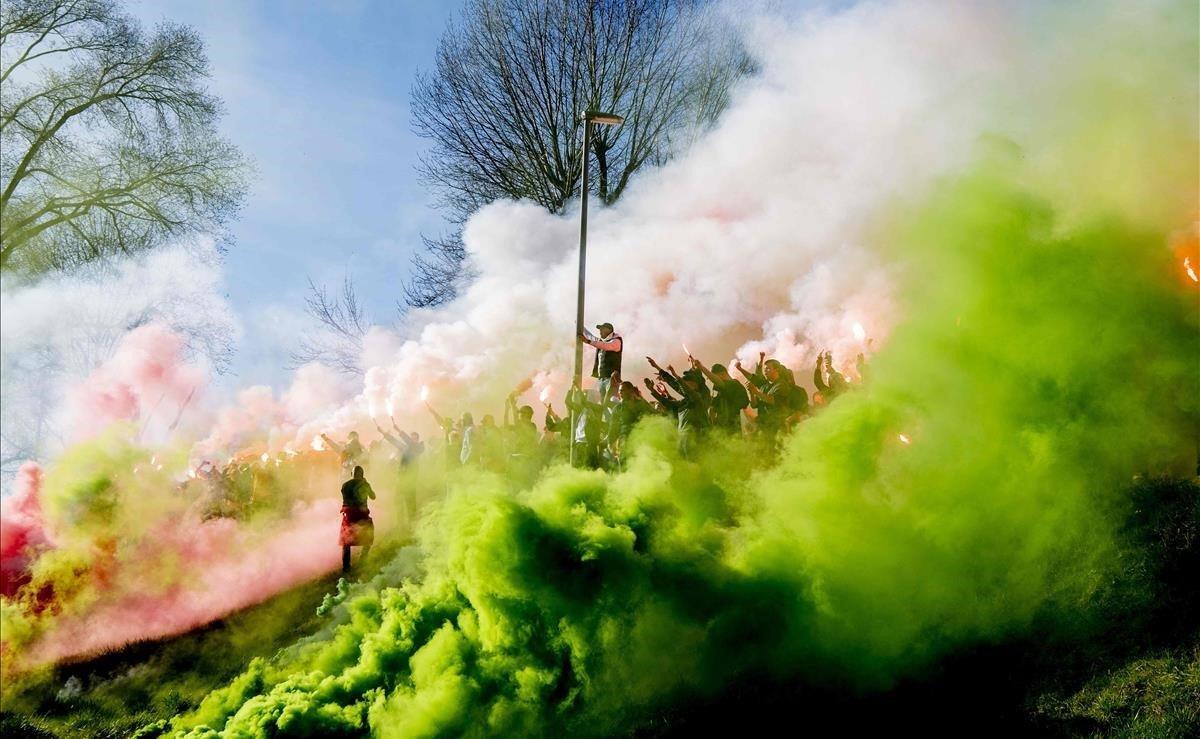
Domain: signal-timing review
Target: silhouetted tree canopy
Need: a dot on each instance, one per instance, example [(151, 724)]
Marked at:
[(107, 136), (512, 78)]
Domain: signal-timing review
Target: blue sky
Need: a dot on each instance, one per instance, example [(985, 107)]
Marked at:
[(316, 93)]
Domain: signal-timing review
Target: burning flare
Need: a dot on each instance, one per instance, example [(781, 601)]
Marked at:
[(1191, 272), (859, 332), (904, 439), (545, 394), (424, 393)]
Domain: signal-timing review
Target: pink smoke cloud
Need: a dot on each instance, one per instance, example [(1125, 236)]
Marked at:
[(146, 378), (226, 566)]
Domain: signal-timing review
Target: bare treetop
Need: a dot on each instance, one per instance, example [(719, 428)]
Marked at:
[(511, 81), (107, 136)]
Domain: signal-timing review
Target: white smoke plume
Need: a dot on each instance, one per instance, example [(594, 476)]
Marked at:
[(750, 241)]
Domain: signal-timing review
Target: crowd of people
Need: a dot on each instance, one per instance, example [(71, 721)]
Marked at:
[(762, 401), (765, 400)]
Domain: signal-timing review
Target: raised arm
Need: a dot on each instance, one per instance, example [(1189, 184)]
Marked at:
[(696, 363), (401, 433), (662, 396), (390, 438), (818, 380), (437, 416), (749, 377), (611, 344), (752, 387), (674, 382), (333, 444)]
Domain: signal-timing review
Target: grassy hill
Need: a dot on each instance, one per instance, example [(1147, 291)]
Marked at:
[(1131, 670), (115, 694)]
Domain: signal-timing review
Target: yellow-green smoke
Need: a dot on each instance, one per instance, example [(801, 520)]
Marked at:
[(1047, 354)]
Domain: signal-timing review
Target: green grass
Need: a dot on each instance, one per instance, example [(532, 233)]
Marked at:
[(1155, 696), (1127, 665), (115, 694)]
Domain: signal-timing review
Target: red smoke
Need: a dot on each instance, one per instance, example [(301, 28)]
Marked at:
[(22, 529), (182, 571), (225, 566)]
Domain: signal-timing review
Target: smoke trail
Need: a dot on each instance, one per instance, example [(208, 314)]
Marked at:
[(107, 548), (1041, 353), (117, 542)]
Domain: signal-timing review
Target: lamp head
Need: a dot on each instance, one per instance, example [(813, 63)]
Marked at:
[(604, 119)]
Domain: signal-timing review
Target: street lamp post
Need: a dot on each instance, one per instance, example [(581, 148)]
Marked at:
[(603, 119)]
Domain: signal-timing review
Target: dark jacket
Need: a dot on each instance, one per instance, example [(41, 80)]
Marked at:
[(728, 403), (788, 398), (356, 493), (608, 361), (692, 412)]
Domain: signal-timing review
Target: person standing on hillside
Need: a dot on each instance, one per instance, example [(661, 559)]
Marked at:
[(358, 530)]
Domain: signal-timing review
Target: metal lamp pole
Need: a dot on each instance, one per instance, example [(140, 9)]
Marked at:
[(603, 119)]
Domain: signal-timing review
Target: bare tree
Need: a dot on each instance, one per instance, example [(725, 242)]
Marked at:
[(512, 78), (438, 272), (343, 324), (107, 136)]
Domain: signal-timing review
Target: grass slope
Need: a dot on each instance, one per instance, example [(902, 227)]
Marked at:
[(115, 694), (1131, 670)]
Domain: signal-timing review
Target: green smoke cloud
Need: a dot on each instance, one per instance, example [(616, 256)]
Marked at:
[(1047, 355), (1037, 373)]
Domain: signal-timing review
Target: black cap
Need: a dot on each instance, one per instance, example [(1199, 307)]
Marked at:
[(606, 325)]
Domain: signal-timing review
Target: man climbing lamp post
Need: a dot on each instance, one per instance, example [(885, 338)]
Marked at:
[(603, 119)]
